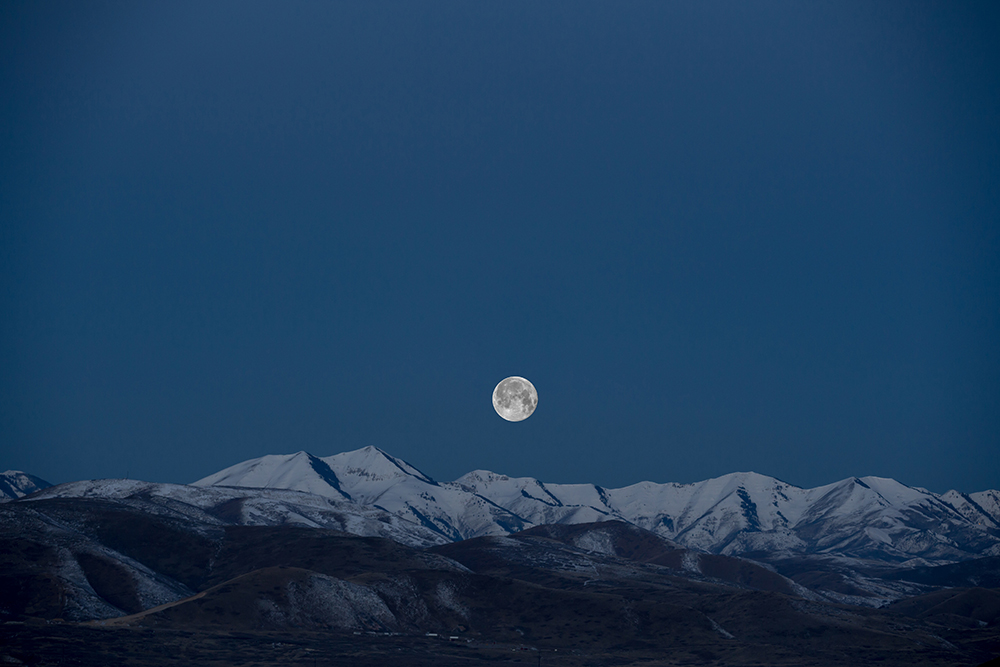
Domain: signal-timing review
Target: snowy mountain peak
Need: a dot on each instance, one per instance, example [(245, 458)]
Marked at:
[(481, 477), (982, 509), (373, 465), (510, 492), (893, 491), (298, 472), (17, 484), (750, 477)]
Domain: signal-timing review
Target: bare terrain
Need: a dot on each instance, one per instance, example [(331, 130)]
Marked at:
[(94, 581)]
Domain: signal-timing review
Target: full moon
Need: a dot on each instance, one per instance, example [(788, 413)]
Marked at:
[(515, 399)]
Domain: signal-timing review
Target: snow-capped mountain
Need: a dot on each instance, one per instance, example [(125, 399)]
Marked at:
[(747, 512), (868, 517), (17, 484), (372, 477), (296, 472), (982, 508)]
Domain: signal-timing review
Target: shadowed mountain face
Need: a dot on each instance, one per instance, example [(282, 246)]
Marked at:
[(969, 607), (88, 558), (597, 555), (246, 506), (981, 572)]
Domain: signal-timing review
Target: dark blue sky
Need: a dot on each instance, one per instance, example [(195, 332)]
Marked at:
[(716, 236)]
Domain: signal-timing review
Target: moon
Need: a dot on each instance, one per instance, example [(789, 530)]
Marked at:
[(515, 399)]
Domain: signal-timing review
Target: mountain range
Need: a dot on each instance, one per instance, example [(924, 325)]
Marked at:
[(741, 569), (738, 513)]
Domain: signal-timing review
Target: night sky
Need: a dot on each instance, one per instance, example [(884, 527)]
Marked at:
[(716, 236)]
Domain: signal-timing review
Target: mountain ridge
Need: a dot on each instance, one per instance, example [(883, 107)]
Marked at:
[(740, 512)]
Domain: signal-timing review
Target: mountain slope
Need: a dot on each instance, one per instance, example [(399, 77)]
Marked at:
[(296, 472), (84, 557), (374, 478), (982, 508), (246, 506), (17, 484)]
